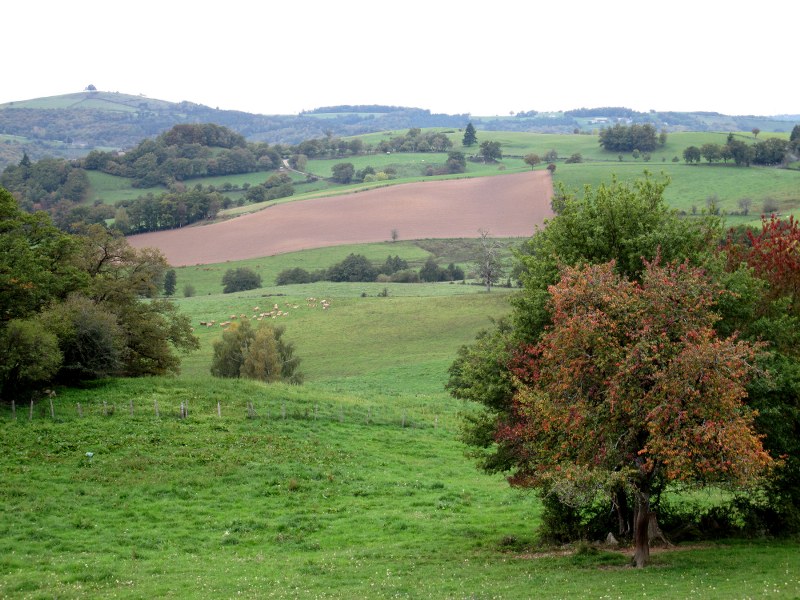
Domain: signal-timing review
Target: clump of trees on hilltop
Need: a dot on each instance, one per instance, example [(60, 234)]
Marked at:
[(75, 307), (648, 351), (623, 138)]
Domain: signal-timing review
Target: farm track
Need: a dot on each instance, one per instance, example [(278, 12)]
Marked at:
[(504, 205)]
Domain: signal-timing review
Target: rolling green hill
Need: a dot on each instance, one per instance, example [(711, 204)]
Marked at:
[(71, 125), (354, 485)]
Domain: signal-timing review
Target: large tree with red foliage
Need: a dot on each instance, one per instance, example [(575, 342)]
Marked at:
[(631, 386)]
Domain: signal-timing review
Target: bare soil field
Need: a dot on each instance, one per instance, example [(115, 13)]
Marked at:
[(504, 205)]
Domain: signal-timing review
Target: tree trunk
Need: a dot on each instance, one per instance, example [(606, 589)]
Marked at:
[(654, 531), (641, 534), (620, 502)]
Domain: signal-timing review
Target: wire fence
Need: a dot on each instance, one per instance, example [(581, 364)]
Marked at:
[(185, 410)]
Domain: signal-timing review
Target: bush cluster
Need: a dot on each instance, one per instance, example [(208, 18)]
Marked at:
[(255, 353), (357, 267)]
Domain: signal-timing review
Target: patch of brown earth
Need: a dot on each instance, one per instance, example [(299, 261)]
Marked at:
[(504, 205)]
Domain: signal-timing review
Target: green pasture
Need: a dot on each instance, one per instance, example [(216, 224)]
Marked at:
[(207, 279), (411, 165), (693, 185), (346, 487), (416, 326), (110, 189)]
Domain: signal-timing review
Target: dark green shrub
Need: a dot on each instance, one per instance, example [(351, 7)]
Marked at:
[(237, 280), (295, 275), (355, 267)]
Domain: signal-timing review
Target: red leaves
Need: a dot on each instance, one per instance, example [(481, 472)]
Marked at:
[(774, 254), (633, 376)]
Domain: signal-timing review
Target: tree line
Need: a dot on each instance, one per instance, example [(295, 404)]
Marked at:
[(768, 152), (358, 268)]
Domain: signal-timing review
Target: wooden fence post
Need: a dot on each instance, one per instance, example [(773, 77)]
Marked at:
[(80, 410), (13, 409), (155, 405), (30, 415), (219, 410)]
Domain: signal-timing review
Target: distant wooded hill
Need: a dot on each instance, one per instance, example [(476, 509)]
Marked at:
[(71, 125)]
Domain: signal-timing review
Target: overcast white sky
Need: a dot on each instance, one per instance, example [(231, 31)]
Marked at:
[(484, 58)]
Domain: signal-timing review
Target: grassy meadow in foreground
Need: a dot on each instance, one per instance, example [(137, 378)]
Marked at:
[(353, 485)]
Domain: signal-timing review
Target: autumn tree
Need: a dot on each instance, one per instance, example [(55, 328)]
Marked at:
[(763, 267), (532, 160), (632, 387), (619, 221)]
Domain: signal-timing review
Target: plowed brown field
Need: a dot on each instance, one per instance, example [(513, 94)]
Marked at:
[(503, 205)]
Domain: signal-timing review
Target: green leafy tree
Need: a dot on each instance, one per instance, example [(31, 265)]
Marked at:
[(124, 281), (794, 137), (490, 151), (89, 337), (30, 357), (431, 271), (692, 154), (470, 136), (240, 279), (741, 152), (170, 282), (343, 172), (392, 264), (711, 152), (37, 261), (355, 267), (256, 353)]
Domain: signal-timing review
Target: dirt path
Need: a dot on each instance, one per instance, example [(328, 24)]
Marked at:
[(505, 205)]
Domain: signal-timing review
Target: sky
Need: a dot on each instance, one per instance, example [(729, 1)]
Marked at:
[(482, 58)]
